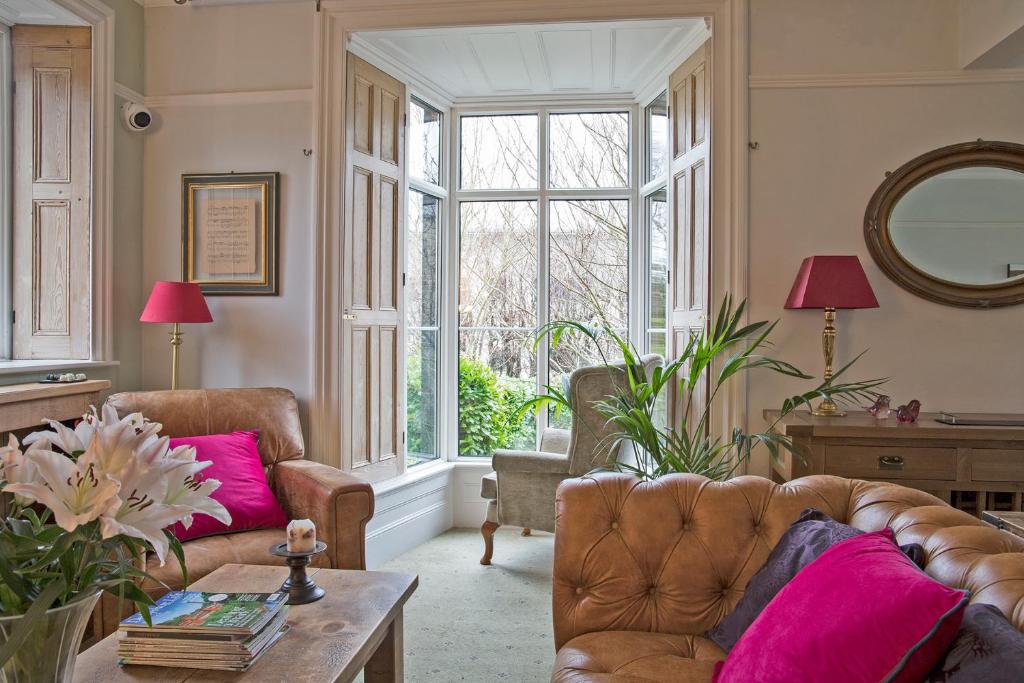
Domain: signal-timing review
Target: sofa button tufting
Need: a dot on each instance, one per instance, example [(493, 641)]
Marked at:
[(652, 590), (579, 591), (615, 525)]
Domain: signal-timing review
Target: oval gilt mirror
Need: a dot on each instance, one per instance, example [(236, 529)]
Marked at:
[(949, 225)]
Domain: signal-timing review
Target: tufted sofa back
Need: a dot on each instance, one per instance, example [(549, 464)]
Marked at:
[(200, 412), (675, 555)]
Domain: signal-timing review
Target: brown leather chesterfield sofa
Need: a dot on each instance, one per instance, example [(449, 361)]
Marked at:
[(339, 504), (643, 569)]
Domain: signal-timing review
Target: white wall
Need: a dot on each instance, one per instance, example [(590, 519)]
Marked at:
[(987, 28), (253, 341), (822, 153)]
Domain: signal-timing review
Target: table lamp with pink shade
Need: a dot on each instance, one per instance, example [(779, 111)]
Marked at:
[(831, 282), (176, 303)]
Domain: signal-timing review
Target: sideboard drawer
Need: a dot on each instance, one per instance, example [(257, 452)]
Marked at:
[(993, 464), (878, 462)]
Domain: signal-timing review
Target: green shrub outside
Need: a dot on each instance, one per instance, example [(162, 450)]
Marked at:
[(487, 409)]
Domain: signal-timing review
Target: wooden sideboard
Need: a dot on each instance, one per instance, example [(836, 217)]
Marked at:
[(945, 460), (24, 406)]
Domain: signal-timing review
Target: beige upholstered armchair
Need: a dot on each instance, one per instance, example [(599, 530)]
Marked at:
[(521, 490)]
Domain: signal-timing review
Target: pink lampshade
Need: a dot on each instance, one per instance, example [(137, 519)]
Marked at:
[(176, 302), (831, 282)]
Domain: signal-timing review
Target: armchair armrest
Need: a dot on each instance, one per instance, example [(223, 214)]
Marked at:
[(530, 461), (338, 503)]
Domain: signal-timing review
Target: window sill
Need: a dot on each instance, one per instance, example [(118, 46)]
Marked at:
[(22, 367), (411, 476)]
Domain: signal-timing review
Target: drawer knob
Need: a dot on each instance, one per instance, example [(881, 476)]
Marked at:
[(892, 462)]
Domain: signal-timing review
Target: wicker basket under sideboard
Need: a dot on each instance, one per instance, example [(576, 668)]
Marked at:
[(972, 467)]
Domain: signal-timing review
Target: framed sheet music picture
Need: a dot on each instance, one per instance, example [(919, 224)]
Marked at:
[(229, 232)]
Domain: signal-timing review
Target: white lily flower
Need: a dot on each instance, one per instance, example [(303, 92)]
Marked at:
[(140, 517), (15, 468), (186, 486), (75, 492)]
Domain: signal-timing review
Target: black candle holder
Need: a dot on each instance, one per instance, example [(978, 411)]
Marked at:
[(300, 588)]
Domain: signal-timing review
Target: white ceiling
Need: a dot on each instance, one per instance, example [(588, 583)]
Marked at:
[(499, 61), (14, 12)]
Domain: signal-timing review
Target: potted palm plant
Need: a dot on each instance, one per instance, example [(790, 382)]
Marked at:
[(717, 355), (85, 505)]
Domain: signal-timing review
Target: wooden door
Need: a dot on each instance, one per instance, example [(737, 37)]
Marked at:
[(372, 297), (52, 191), (690, 143)]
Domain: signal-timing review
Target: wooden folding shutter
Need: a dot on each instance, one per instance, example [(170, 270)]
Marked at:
[(52, 191), (374, 360), (689, 113)]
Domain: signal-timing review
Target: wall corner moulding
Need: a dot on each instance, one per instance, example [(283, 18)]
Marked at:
[(212, 99), (883, 79), (125, 93)]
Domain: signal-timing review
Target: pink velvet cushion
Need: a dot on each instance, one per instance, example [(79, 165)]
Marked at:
[(862, 611), (243, 490)]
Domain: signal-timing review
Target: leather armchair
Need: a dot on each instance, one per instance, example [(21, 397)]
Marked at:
[(641, 570), (338, 503), (521, 490)]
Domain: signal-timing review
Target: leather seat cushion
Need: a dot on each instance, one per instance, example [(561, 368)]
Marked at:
[(204, 555), (636, 656), (489, 486)]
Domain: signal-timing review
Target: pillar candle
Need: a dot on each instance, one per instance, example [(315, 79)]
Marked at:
[(301, 536)]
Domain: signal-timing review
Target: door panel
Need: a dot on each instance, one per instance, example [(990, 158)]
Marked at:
[(691, 238), (52, 191), (389, 234), (372, 283)]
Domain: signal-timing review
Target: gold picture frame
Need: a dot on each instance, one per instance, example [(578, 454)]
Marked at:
[(229, 232)]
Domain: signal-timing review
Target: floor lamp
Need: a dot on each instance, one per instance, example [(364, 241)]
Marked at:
[(176, 303)]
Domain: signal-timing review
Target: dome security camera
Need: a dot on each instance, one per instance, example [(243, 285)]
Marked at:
[(137, 117)]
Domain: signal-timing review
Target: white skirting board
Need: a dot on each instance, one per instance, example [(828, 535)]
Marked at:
[(421, 505)]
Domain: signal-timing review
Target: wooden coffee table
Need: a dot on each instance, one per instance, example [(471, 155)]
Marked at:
[(356, 627)]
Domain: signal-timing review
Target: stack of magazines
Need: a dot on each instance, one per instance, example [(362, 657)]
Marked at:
[(223, 631)]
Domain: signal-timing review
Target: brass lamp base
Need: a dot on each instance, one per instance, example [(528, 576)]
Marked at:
[(828, 408)]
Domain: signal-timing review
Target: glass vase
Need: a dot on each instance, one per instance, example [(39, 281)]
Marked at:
[(48, 653)]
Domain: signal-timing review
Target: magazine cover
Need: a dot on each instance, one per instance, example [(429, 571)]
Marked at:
[(193, 610)]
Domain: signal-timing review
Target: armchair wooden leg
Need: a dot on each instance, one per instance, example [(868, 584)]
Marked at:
[(526, 531), (488, 530)]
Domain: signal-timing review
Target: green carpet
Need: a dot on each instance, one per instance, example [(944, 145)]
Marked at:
[(468, 622)]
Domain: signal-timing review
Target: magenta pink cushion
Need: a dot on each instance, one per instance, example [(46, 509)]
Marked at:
[(862, 611), (243, 490)]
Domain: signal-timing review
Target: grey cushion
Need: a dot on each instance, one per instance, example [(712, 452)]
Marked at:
[(489, 486), (987, 648)]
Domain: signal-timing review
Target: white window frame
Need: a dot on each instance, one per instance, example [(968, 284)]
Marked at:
[(439, 192), (100, 18), (543, 195), (647, 189), (6, 168)]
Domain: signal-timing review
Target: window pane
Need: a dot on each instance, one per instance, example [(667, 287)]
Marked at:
[(498, 264), (421, 395), (657, 342), (657, 260), (590, 262), (421, 293), (657, 136), (424, 142), (499, 152), (497, 373), (590, 150)]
